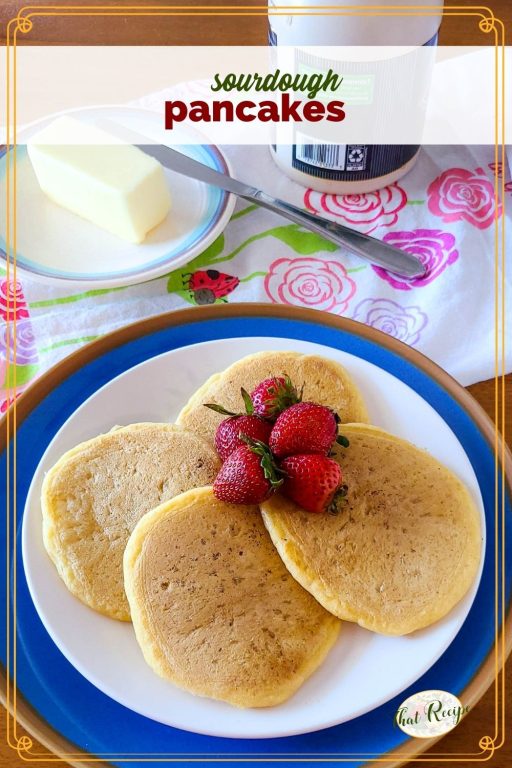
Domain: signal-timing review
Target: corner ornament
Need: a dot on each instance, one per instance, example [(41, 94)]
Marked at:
[(487, 744), (23, 23), (487, 24), (23, 746)]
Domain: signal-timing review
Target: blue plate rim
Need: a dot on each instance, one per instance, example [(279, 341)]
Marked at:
[(484, 677)]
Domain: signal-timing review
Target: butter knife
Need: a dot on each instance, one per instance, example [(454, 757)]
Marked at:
[(369, 248)]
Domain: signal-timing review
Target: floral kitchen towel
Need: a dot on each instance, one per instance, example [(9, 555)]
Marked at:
[(444, 211)]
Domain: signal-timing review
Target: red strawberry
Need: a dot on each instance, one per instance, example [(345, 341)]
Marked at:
[(227, 436), (248, 476), (313, 481), (273, 395), (303, 428)]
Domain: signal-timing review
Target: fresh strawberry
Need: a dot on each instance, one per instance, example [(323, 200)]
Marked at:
[(273, 395), (248, 476), (227, 436), (303, 428), (313, 481)]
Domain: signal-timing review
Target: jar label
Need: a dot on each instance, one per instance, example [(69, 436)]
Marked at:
[(348, 162)]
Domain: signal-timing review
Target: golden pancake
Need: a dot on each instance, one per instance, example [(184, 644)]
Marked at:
[(214, 609), (97, 492), (402, 551), (325, 382)]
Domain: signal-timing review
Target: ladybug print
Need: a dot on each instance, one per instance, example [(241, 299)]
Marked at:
[(209, 286)]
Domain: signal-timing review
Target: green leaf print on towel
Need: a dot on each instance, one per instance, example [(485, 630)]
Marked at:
[(197, 283), (301, 240), (19, 375)]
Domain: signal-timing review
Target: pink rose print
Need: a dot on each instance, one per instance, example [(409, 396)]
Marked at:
[(404, 323), (11, 291), (310, 282), (434, 248), (5, 404), (7, 401), (461, 195), (26, 351), (365, 212), (496, 168)]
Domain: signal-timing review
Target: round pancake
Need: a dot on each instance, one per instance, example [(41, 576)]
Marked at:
[(403, 550), (214, 609), (325, 382), (97, 492)]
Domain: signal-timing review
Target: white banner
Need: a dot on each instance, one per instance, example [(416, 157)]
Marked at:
[(279, 95)]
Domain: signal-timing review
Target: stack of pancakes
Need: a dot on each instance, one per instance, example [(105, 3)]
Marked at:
[(239, 603)]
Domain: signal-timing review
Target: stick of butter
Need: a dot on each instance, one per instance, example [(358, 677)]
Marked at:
[(114, 185)]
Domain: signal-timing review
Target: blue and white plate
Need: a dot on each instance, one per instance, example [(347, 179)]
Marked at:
[(83, 675), (56, 246)]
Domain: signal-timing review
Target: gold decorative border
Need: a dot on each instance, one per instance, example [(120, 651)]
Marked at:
[(16, 707)]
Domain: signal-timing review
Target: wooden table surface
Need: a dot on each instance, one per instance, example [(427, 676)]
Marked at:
[(251, 30), (202, 30)]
